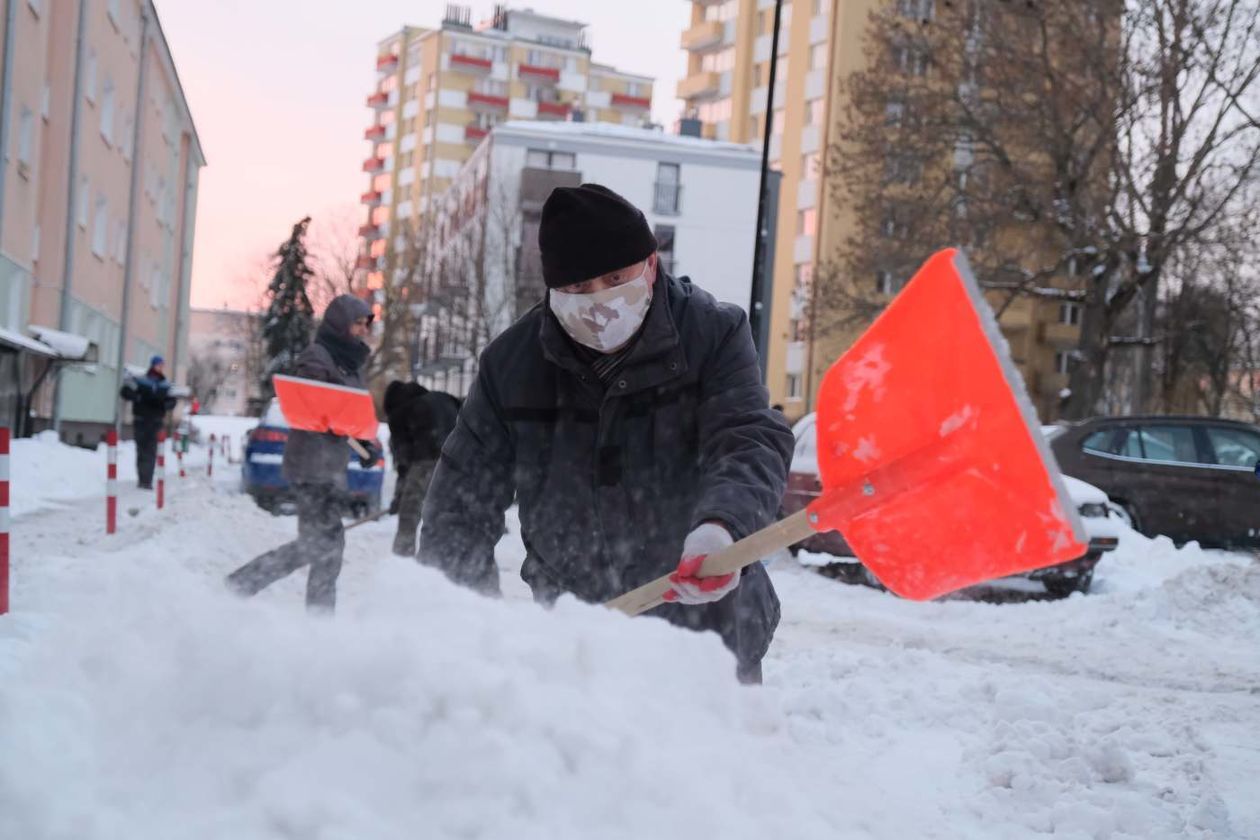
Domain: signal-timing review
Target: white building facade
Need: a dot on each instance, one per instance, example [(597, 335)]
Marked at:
[(699, 197)]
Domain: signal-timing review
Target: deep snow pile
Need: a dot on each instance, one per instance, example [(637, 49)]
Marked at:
[(46, 473), (138, 701)]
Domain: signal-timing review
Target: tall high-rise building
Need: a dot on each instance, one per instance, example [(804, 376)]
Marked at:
[(726, 88), (728, 45), (439, 91), (98, 197)]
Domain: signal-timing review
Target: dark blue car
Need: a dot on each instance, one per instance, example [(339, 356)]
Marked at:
[(264, 453)]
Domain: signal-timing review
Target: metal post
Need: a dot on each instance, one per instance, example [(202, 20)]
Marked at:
[(132, 226), (111, 481), (764, 217), (210, 458), (72, 185), (4, 520), (161, 469)]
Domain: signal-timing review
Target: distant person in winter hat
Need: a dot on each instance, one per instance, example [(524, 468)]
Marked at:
[(315, 465), (150, 398), (626, 416)]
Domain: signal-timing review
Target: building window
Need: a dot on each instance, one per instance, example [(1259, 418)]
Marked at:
[(1062, 360), (818, 57), (814, 110), (544, 159), (779, 121), (820, 7), (884, 283), (89, 78), (37, 6), (794, 386), (811, 166), (806, 222), (1070, 313), (668, 195), (100, 227), (25, 137), (107, 111), (665, 247), (83, 198), (636, 89)]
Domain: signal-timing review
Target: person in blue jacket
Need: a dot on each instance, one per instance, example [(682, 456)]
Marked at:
[(150, 398)]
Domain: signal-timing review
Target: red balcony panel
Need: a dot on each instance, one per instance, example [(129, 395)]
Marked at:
[(371, 198), (365, 261), (475, 132), (376, 132), (386, 62), (373, 164), (469, 62), (378, 100), (368, 231), (625, 100), (487, 100), (552, 73), (554, 109)]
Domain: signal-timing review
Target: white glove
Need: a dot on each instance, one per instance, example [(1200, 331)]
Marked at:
[(708, 538)]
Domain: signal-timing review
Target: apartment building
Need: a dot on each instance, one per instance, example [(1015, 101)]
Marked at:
[(98, 191), (224, 362), (699, 197), (440, 90), (821, 41)]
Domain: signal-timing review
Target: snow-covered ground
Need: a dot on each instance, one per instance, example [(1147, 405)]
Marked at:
[(138, 700)]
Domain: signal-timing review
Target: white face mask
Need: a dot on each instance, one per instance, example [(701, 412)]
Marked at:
[(605, 320)]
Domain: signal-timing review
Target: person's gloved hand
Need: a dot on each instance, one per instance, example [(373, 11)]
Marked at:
[(373, 453), (708, 538)]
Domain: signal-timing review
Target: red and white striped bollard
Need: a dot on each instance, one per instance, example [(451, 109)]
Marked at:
[(111, 481), (161, 469), (4, 520)]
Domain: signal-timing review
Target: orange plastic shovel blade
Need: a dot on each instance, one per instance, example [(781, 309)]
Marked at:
[(931, 459), (321, 407)]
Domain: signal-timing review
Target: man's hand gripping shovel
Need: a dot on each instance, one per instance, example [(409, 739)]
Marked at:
[(932, 463)]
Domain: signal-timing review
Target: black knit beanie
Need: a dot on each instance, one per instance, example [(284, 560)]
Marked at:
[(587, 231)]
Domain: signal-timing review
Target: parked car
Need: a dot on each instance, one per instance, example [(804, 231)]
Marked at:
[(803, 486), (263, 453), (1188, 478)]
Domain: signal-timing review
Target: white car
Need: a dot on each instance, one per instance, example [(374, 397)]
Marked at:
[(1102, 526)]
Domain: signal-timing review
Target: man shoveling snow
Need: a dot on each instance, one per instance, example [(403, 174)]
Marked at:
[(627, 416)]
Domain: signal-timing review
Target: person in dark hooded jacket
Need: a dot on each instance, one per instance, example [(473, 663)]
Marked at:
[(315, 466), (419, 422), (626, 415), (150, 398)]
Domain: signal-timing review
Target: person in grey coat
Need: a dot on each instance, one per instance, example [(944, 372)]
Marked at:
[(626, 415), (315, 466)]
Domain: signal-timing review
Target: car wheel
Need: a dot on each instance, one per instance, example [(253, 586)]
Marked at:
[(1062, 587)]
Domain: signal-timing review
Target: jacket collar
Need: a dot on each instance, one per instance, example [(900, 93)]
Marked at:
[(655, 357)]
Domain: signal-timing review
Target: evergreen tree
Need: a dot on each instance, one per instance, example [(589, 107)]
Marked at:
[(289, 320)]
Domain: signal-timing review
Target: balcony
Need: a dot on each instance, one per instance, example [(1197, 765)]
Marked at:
[(374, 133), (470, 63), (704, 35), (387, 63), (534, 72), (372, 198), (635, 103), (667, 199), (487, 102), (365, 262), (378, 100), (370, 231), (557, 110), (702, 85), (474, 133), (374, 164), (1061, 334)]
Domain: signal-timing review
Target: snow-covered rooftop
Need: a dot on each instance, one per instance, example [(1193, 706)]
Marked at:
[(67, 345), (620, 133), (30, 345)]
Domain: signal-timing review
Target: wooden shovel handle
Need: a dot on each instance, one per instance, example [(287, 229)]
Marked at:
[(747, 551), (357, 447)]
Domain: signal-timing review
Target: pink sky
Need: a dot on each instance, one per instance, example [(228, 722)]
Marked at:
[(276, 89)]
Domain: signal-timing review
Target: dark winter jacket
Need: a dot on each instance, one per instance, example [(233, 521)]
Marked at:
[(610, 482), (150, 397), (313, 457), (419, 422)]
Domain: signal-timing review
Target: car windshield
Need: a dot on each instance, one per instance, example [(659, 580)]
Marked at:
[(273, 416)]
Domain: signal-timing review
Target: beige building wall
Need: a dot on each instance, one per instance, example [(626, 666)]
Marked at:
[(440, 91), (221, 337), (118, 244)]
